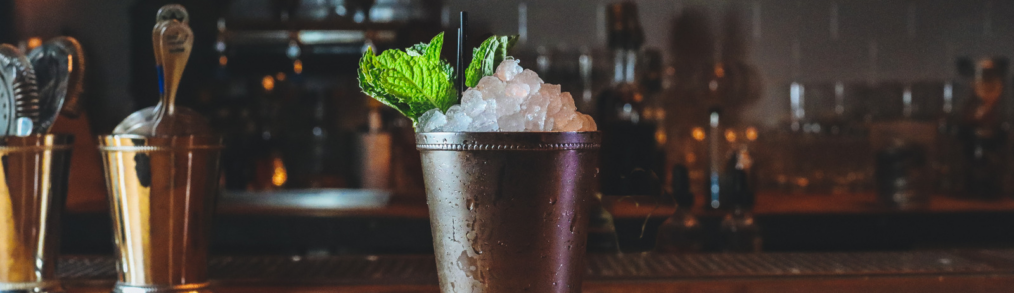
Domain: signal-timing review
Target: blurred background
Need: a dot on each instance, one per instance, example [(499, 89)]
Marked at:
[(776, 125)]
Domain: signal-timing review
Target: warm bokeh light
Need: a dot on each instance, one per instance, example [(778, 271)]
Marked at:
[(719, 70), (690, 157), (698, 133), (268, 83), (280, 76), (279, 176), (297, 66), (34, 42), (751, 133), (802, 182), (660, 136), (730, 135), (222, 60)]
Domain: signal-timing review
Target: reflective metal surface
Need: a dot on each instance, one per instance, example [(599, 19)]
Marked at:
[(19, 100), (54, 67), (509, 210), (162, 194), (32, 192), (172, 40)]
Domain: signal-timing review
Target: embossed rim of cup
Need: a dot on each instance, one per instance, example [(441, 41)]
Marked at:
[(508, 141), (36, 142), (139, 143)]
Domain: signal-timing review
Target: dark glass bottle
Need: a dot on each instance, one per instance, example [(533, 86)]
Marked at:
[(681, 232), (270, 171), (981, 131), (738, 231), (630, 150), (306, 149)]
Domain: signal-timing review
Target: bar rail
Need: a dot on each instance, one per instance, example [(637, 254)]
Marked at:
[(914, 271)]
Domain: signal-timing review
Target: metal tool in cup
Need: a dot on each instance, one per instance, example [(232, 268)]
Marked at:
[(172, 40), (32, 192), (509, 211), (19, 99), (162, 195)]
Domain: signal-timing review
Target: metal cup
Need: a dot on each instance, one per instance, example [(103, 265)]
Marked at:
[(509, 210), (32, 192), (162, 195)]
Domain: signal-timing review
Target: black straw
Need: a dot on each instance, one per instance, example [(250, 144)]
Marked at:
[(461, 52)]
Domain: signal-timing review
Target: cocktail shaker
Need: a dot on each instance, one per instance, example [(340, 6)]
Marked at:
[(509, 210), (32, 192), (162, 195)]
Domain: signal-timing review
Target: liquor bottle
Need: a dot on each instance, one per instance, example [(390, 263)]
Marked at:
[(681, 232), (375, 149), (981, 130), (738, 231), (306, 150), (270, 170), (716, 152), (631, 154)]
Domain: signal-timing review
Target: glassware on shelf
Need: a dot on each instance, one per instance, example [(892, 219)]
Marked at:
[(901, 175)]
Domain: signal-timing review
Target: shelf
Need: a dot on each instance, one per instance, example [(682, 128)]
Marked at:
[(813, 204), (414, 206)]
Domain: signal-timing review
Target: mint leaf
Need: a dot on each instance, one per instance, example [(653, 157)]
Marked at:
[(412, 81), (421, 79), (370, 83), (433, 50), (486, 57)]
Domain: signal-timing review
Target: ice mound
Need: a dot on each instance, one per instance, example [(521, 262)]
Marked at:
[(512, 99)]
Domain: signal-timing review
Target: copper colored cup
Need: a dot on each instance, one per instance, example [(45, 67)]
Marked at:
[(33, 187), (509, 210), (162, 195)]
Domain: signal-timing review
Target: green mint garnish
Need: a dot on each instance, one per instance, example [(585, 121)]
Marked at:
[(487, 57), (416, 80), (411, 81)]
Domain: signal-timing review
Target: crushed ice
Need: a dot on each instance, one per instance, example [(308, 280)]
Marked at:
[(512, 99)]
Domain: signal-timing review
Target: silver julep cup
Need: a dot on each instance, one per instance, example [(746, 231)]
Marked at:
[(162, 196), (509, 210), (32, 192)]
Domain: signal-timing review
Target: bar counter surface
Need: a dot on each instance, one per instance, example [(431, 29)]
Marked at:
[(918, 271)]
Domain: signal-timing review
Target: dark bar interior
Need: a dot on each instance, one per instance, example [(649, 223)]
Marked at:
[(689, 145)]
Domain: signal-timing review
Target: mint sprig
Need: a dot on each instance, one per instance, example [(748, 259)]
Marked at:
[(411, 81), (416, 80), (486, 57)]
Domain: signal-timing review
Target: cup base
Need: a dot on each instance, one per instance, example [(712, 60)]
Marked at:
[(188, 288)]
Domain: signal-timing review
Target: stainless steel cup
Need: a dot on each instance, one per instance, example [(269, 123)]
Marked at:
[(162, 195), (32, 192), (509, 210)]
